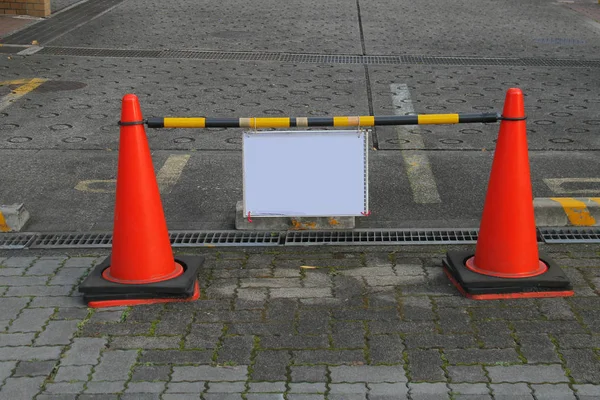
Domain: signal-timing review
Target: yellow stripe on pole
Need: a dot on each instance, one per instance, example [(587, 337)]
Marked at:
[(438, 119), (269, 122), (576, 211), (185, 122), (367, 120)]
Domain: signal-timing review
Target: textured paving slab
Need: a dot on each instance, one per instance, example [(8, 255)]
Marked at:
[(561, 105), (414, 337), (541, 28), (330, 27)]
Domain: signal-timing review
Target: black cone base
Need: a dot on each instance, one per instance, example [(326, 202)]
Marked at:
[(97, 289), (552, 283)]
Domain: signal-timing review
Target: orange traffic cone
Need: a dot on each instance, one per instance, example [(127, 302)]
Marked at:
[(141, 269), (507, 263)]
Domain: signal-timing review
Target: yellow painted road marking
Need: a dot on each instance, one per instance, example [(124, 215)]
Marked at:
[(19, 92), (3, 225), (576, 211), (171, 171), (166, 178), (91, 186), (418, 169), (14, 82), (556, 185)]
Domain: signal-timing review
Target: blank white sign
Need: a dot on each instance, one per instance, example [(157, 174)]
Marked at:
[(305, 173)]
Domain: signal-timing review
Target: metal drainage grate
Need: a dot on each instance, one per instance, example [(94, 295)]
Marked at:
[(225, 238), (570, 235), (383, 237), (15, 240), (320, 58), (178, 239), (72, 240)]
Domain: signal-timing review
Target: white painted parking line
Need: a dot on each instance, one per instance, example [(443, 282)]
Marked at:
[(416, 162), (587, 186), (171, 171), (166, 178)]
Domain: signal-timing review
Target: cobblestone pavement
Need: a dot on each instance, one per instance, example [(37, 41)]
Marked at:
[(299, 324)]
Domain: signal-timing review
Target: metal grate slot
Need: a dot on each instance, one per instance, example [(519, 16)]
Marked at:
[(384, 237), (570, 235), (70, 240), (224, 238), (320, 58), (13, 241)]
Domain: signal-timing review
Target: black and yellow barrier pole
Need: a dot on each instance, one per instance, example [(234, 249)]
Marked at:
[(287, 122)]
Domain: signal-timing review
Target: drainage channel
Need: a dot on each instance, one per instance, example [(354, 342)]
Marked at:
[(320, 58), (233, 238)]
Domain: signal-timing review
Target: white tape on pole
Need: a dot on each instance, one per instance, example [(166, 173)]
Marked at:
[(305, 173)]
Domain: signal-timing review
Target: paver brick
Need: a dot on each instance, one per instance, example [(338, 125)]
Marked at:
[(527, 373), (82, 262), (146, 387), (186, 387), (348, 335), (365, 373), (507, 391), (6, 369), (151, 373), (268, 396), (84, 351), (144, 342), (114, 365), (21, 388), (229, 387), (18, 262), (140, 396), (391, 390), (70, 313), (538, 349), (64, 387), (378, 327), (469, 389), (222, 396), (579, 341), (294, 342), (262, 329), (57, 333), (11, 307), (443, 341), (386, 349), (267, 387), (299, 292), (466, 373), (588, 391), (347, 388), (34, 368), (62, 396), (425, 365), (328, 356), (57, 301), (120, 329), (16, 339), (106, 387), (315, 387), (236, 349), (180, 396), (482, 356), (199, 340), (20, 353), (583, 365), (45, 265), (313, 373), (24, 280), (270, 366), (73, 373), (176, 357), (31, 320), (68, 276), (559, 391), (208, 373), (39, 291)]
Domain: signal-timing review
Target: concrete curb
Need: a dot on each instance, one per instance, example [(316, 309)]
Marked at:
[(567, 211), (13, 217)]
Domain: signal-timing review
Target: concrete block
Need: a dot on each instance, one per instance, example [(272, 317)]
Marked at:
[(566, 211), (289, 223), (13, 217)]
